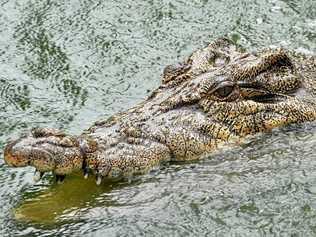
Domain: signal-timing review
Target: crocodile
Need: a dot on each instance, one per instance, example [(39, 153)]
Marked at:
[(218, 95)]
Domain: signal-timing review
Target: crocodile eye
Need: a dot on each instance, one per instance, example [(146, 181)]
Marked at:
[(224, 91)]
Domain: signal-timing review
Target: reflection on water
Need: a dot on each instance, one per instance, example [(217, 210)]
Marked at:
[(57, 202), (68, 63)]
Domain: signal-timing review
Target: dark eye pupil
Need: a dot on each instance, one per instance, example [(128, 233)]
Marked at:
[(224, 91)]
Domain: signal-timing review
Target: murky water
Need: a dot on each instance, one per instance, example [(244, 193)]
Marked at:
[(66, 64)]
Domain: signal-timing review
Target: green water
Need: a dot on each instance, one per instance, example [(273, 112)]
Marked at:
[(65, 64)]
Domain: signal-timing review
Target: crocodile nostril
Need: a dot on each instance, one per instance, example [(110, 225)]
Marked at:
[(46, 132), (37, 132)]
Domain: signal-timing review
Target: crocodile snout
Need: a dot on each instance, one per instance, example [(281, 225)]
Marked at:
[(46, 150), (13, 157)]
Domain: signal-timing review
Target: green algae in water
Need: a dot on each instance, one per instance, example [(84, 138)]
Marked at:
[(60, 201)]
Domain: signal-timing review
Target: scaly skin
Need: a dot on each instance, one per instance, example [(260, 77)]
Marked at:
[(220, 94)]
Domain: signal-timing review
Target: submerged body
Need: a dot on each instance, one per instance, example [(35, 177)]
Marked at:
[(218, 95)]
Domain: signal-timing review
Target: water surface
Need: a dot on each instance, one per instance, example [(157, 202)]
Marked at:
[(65, 64)]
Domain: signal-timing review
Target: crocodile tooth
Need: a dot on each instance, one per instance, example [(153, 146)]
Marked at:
[(98, 180), (86, 175), (37, 175)]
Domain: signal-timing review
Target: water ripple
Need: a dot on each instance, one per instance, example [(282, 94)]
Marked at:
[(68, 63)]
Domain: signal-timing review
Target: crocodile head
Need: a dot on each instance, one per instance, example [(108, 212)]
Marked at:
[(218, 94), (245, 93)]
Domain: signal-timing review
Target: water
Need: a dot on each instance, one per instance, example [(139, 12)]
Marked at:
[(65, 64)]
